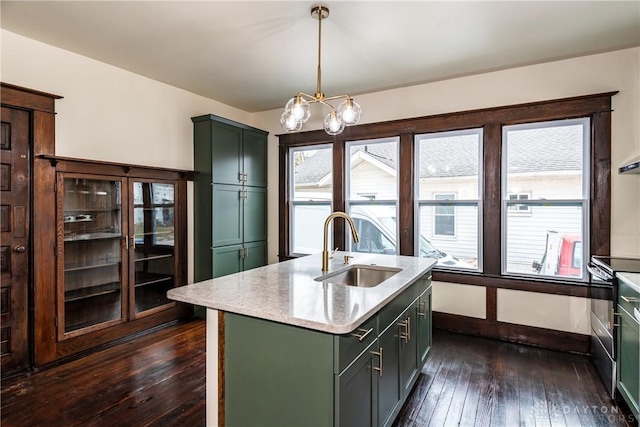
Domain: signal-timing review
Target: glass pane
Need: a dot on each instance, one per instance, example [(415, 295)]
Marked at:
[(448, 163), (373, 170), (451, 239), (312, 173), (377, 229), (92, 252), (546, 161), (308, 225), (154, 237), (547, 242)]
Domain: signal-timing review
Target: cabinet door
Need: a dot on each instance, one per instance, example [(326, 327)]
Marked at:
[(255, 255), (255, 214), (409, 348), (92, 261), (226, 153), (227, 260), (227, 215), (255, 158), (357, 387), (152, 245), (424, 326), (629, 360), (389, 387)]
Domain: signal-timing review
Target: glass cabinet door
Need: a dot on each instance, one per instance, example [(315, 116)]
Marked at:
[(93, 269), (154, 245)]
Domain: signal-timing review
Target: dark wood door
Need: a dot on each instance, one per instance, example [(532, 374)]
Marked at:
[(14, 249)]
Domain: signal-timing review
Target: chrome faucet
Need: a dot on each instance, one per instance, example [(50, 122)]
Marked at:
[(325, 252)]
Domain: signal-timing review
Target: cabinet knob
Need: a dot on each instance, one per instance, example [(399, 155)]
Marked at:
[(19, 249)]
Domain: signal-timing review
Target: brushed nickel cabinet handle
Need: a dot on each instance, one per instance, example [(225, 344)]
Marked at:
[(379, 368), (422, 311), (363, 333), (404, 335), (630, 300), (408, 329)]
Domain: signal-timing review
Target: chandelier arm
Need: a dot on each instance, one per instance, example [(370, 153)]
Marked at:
[(323, 101), (306, 96), (330, 98)]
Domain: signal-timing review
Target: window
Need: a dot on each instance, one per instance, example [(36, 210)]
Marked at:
[(447, 199), (519, 208), (488, 193), (549, 158), (372, 194), (444, 217), (311, 196)]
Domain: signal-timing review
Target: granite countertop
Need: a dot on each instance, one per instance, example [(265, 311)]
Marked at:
[(633, 279), (286, 292)]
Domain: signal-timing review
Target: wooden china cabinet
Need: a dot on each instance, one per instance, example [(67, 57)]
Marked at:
[(120, 246)]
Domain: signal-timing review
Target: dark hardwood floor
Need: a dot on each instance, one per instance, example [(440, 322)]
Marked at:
[(158, 380), (471, 381)]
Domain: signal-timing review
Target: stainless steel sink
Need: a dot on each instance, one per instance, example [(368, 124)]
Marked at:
[(364, 276)]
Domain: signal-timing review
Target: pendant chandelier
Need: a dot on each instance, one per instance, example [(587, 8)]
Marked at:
[(296, 112)]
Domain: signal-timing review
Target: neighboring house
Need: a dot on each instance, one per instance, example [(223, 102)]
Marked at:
[(550, 171)]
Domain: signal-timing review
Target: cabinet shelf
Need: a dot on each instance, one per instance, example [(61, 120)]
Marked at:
[(91, 236), (91, 292), (90, 267), (69, 209), (154, 257), (145, 279)]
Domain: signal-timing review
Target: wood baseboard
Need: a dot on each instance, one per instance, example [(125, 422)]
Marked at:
[(521, 334)]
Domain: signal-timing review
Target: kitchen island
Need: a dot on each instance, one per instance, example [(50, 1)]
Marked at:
[(288, 344)]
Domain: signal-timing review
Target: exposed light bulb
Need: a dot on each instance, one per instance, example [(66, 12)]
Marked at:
[(333, 125), (349, 112), (289, 122), (299, 108)]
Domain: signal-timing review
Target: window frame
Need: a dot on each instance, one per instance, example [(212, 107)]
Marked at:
[(582, 201), (349, 203), (596, 106), (293, 203)]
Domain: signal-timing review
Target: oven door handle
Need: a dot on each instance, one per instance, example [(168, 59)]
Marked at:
[(595, 271)]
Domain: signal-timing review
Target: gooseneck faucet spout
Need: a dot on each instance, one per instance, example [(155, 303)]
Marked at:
[(325, 251)]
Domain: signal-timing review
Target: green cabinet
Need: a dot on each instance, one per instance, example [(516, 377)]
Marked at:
[(276, 374), (357, 390), (424, 325), (628, 381), (390, 390), (239, 214), (230, 196), (409, 368), (234, 258)]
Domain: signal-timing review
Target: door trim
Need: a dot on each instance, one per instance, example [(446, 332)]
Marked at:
[(41, 106)]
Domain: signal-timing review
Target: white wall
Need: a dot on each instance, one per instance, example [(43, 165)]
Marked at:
[(113, 115)]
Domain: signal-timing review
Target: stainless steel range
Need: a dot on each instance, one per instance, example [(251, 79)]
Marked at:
[(603, 270)]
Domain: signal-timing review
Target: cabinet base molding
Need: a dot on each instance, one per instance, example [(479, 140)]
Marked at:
[(141, 332), (521, 334)]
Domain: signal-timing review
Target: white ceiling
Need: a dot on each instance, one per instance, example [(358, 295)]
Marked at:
[(255, 55)]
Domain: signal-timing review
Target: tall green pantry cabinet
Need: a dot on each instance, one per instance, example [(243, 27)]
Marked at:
[(230, 197)]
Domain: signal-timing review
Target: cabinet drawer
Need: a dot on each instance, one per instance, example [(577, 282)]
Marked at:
[(390, 313), (349, 346), (628, 297)]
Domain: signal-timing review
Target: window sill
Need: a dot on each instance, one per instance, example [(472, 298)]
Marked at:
[(556, 287)]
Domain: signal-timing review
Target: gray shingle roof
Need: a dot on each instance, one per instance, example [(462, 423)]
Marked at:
[(556, 149)]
